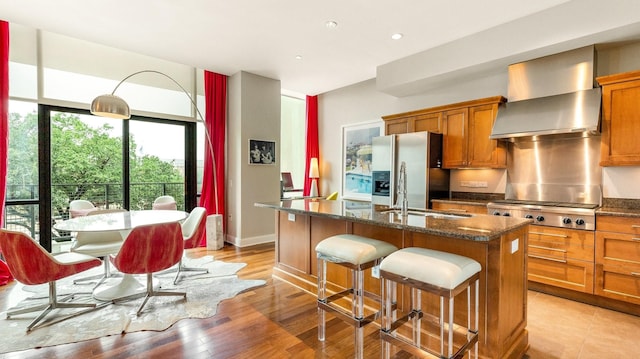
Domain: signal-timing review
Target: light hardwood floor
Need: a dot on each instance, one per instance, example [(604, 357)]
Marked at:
[(279, 321)]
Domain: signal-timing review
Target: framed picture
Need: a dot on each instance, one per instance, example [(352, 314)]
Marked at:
[(356, 159), (262, 152)]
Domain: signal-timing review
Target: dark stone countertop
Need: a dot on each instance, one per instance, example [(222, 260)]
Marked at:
[(477, 227), (619, 207), (618, 212)]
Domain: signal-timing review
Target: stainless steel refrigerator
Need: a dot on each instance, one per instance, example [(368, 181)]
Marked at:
[(422, 154)]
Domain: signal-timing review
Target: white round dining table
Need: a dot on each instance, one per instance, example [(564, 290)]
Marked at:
[(123, 222), (119, 221)]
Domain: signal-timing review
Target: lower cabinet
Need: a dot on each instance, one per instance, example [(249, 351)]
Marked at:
[(618, 258), (561, 257)]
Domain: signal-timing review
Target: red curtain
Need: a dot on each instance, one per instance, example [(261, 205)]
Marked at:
[(312, 146), (4, 110), (212, 197), (5, 275)]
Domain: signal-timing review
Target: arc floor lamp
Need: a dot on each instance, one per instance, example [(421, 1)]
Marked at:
[(112, 106)]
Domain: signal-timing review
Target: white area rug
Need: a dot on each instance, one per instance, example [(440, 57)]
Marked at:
[(204, 293)]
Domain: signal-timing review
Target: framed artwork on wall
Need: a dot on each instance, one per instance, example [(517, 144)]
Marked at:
[(262, 152), (356, 159)]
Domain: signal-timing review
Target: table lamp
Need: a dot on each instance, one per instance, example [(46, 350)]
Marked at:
[(314, 174)]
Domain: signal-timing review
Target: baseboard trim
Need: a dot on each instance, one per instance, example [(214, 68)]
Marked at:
[(251, 241)]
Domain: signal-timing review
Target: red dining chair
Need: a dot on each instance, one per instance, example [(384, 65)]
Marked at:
[(149, 249), (30, 264), (193, 229)]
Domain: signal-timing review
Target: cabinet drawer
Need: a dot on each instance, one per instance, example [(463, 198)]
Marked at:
[(617, 249), (616, 282), (570, 274), (618, 224), (560, 244)]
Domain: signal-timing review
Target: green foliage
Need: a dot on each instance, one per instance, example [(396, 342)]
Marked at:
[(23, 150), (83, 160)]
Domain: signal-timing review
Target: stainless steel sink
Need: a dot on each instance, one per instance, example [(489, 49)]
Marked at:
[(425, 213)]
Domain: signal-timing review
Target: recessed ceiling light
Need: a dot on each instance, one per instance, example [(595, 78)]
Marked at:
[(298, 57), (331, 24), (397, 36)]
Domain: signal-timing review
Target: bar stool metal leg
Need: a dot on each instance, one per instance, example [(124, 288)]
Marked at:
[(358, 312), (475, 313), (450, 345), (388, 292), (322, 295), (416, 298)]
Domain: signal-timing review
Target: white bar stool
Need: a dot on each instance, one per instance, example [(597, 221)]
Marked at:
[(443, 274), (358, 254)]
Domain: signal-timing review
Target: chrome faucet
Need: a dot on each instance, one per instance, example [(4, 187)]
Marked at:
[(402, 189)]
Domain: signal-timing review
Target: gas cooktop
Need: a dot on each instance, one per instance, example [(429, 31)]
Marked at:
[(546, 213)]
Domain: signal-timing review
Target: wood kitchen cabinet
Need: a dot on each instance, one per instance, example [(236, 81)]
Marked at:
[(431, 122), (465, 126), (620, 119), (415, 121), (466, 138), (561, 257), (454, 139), (618, 258), (396, 126)]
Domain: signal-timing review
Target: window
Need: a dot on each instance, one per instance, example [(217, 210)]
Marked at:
[(112, 163), (22, 208), (292, 138), (157, 164)]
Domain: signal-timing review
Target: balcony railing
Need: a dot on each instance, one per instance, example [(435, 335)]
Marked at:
[(21, 213)]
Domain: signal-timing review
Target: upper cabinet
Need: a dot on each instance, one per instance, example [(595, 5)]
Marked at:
[(465, 126), (415, 121), (620, 119)]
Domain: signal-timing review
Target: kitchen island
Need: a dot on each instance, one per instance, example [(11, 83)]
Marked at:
[(497, 243)]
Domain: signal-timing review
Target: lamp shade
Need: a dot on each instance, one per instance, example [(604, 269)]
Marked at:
[(110, 106), (313, 169)]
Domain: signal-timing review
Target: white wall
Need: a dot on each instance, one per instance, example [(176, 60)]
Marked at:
[(362, 102), (254, 113)]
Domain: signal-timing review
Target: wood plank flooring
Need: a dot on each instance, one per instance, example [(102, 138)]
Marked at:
[(279, 321), (273, 321)]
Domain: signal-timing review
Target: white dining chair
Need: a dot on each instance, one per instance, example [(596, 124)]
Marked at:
[(99, 244), (165, 202), (80, 207)]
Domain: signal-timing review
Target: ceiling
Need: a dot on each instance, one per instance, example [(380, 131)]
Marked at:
[(264, 37)]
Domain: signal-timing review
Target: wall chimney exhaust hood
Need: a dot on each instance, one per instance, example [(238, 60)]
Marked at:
[(551, 95)]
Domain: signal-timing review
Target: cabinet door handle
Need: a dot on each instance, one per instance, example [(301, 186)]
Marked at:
[(550, 234), (635, 226), (635, 239), (454, 210), (548, 248), (547, 258), (635, 274)]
